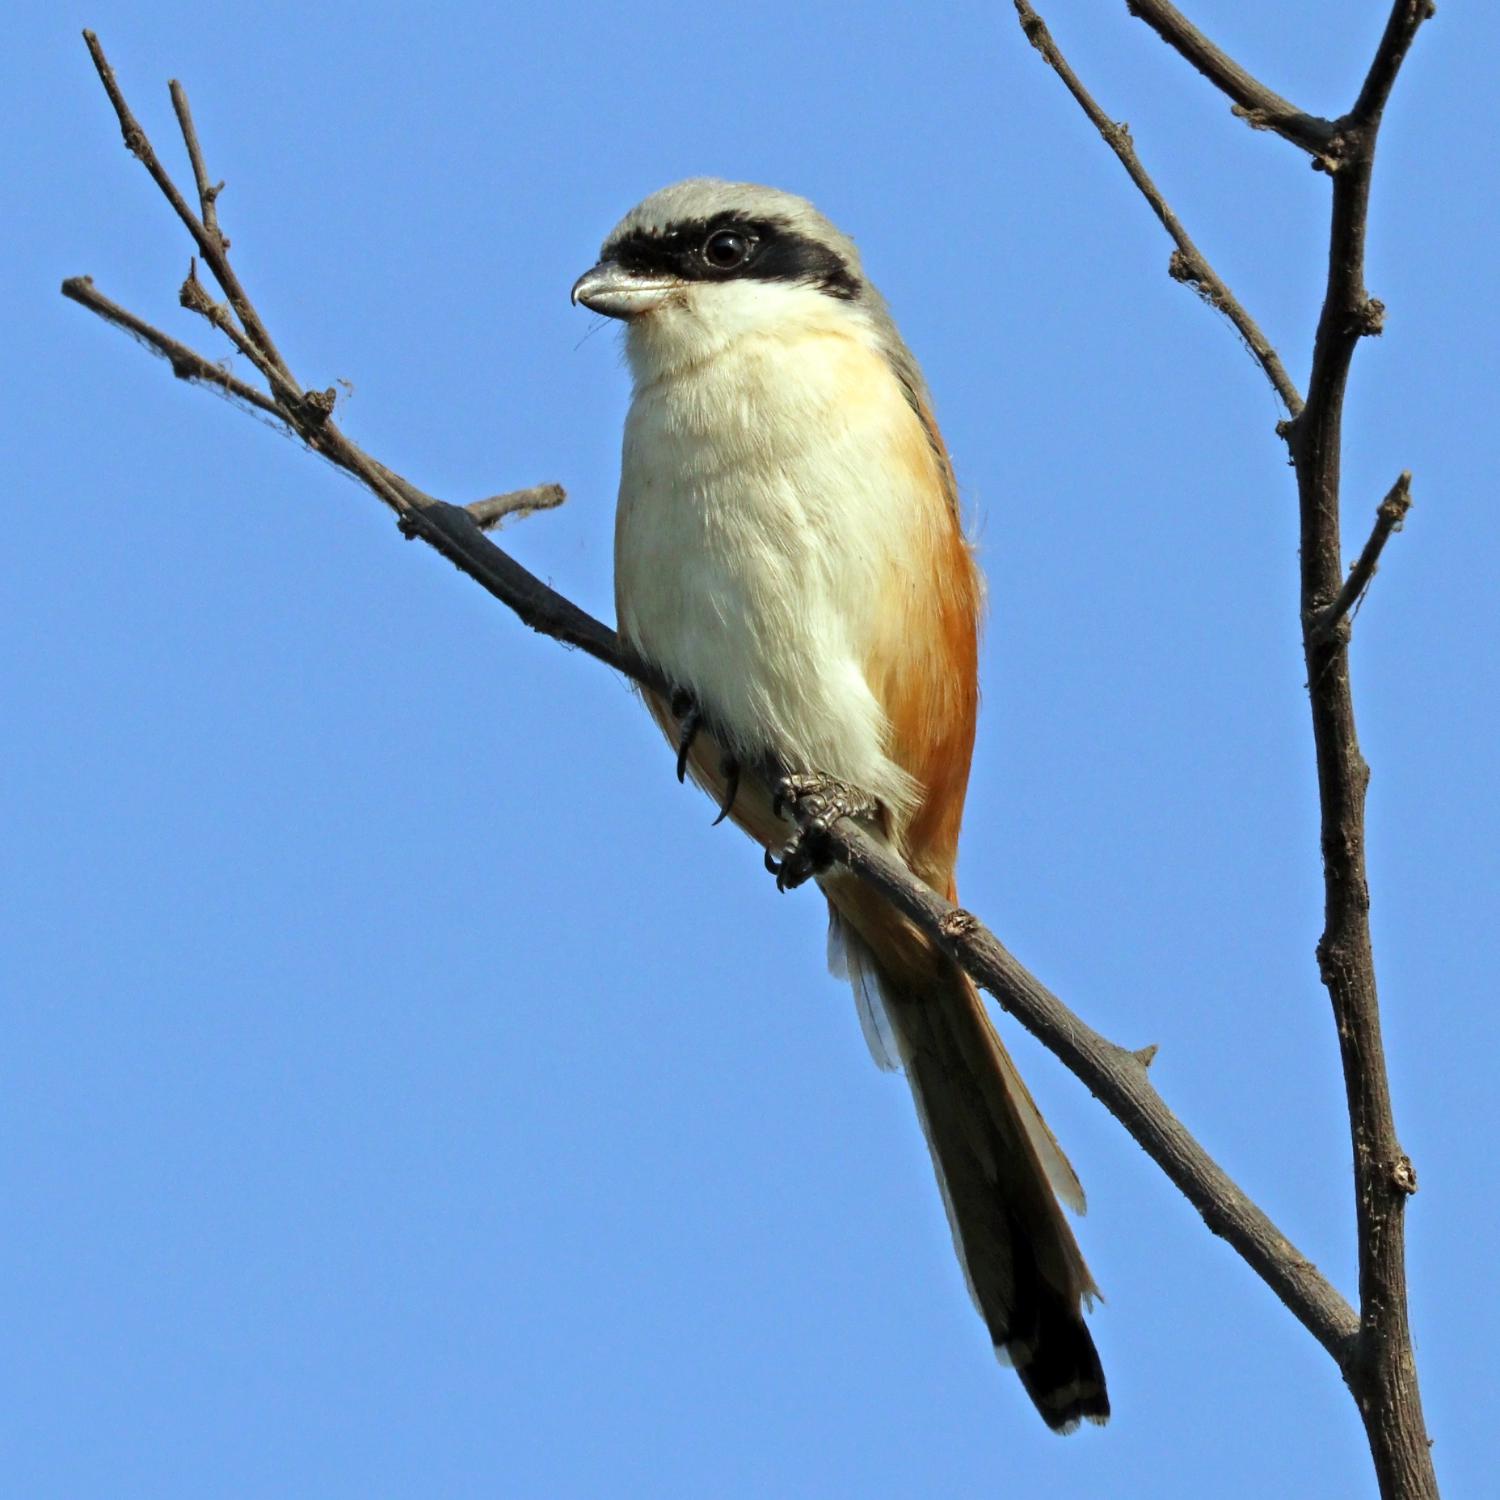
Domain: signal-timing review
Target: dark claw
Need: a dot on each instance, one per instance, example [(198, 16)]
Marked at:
[(799, 863), (801, 859), (731, 770), (690, 721)]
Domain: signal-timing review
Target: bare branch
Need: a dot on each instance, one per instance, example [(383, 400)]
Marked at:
[(1395, 41), (451, 529), (208, 193), (1389, 516), (1188, 263), (1116, 1076), (1374, 1349), (193, 296), (187, 364), (1260, 107), (213, 247), (1381, 1369), (493, 513), (1383, 1376)]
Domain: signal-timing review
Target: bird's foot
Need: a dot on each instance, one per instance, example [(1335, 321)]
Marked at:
[(689, 721), (815, 802)]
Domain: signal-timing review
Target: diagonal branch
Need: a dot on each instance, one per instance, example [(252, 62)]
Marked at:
[(1188, 263), (208, 192), (453, 530), (193, 296), (1382, 1371), (1115, 1075), (212, 246), (1118, 1078), (1260, 107), (1395, 42), (187, 364)]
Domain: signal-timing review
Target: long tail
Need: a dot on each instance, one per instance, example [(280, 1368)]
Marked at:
[(998, 1166)]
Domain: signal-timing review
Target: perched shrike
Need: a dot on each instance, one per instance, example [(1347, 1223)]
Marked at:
[(789, 555)]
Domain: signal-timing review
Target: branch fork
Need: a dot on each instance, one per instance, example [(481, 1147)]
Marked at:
[(1378, 1362), (1372, 1349)]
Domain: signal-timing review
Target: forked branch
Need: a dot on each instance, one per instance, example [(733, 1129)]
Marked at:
[(1188, 263), (1390, 515), (1117, 1076), (1382, 1371), (1260, 107)]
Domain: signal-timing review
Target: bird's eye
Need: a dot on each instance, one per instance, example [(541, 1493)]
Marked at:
[(725, 249)]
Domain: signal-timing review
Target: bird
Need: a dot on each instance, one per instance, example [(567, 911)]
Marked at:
[(791, 562)]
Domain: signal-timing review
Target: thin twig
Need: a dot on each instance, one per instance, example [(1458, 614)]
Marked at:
[(208, 192), (194, 296), (210, 246), (187, 364), (1188, 263), (491, 514), (453, 531), (1389, 516), (1260, 107), (1395, 41)]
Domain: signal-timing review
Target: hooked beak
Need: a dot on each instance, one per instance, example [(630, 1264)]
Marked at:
[(610, 289)]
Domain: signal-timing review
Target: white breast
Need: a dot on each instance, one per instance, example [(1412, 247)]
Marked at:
[(766, 497)]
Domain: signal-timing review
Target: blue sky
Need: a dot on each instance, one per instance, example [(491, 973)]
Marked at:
[(405, 1092)]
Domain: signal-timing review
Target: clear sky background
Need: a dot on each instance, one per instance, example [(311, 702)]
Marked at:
[(405, 1093)]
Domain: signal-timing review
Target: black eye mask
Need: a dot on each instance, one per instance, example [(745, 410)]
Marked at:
[(730, 247)]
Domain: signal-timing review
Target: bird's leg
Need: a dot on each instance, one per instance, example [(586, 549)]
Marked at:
[(815, 803), (689, 721)]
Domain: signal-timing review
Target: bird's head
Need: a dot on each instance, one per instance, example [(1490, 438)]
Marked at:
[(704, 263)]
